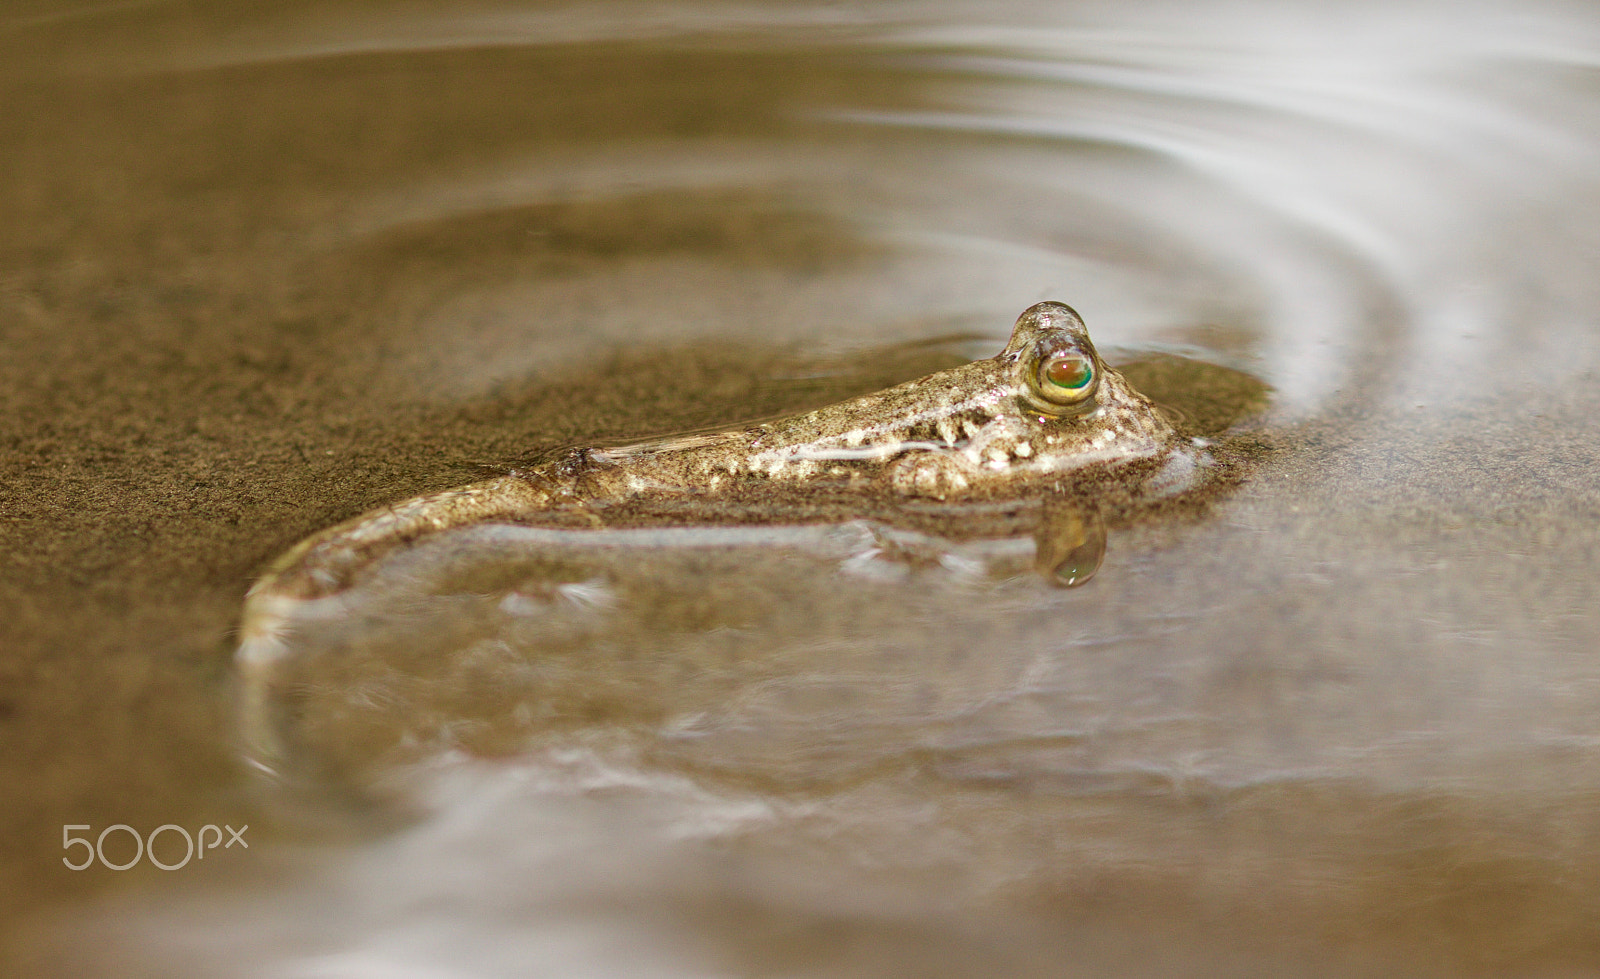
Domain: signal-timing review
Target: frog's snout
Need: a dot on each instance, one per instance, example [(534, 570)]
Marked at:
[(1042, 320), (1050, 315)]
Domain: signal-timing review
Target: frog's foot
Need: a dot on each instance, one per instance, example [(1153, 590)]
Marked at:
[(935, 474)]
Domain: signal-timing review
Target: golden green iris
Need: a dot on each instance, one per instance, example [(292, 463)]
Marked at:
[(1066, 377), (1071, 373)]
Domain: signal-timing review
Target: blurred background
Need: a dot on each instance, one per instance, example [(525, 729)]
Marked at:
[(264, 266)]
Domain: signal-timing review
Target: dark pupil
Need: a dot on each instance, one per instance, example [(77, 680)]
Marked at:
[(1068, 372)]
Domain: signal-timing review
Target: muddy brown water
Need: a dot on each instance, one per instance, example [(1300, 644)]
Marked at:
[(266, 266)]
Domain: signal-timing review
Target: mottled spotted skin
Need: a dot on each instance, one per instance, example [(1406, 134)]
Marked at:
[(975, 432), (955, 432)]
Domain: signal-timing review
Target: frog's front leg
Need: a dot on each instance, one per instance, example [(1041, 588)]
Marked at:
[(933, 473)]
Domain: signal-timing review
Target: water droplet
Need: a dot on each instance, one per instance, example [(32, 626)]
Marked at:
[(1069, 544)]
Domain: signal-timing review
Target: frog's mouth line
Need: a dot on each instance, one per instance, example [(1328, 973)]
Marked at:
[(884, 451)]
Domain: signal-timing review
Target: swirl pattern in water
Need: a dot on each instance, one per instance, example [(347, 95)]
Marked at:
[(1338, 721)]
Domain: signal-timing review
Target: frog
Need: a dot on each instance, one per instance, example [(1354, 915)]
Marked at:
[(1046, 417)]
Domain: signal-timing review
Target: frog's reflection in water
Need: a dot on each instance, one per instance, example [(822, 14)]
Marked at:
[(492, 640)]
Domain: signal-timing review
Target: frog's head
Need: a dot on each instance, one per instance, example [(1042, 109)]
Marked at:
[(1055, 370)]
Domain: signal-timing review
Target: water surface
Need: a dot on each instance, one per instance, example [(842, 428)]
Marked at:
[(265, 267)]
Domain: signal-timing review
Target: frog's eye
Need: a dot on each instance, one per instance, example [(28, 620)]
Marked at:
[(1066, 377)]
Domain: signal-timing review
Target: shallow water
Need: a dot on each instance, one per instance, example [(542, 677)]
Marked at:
[(263, 267)]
